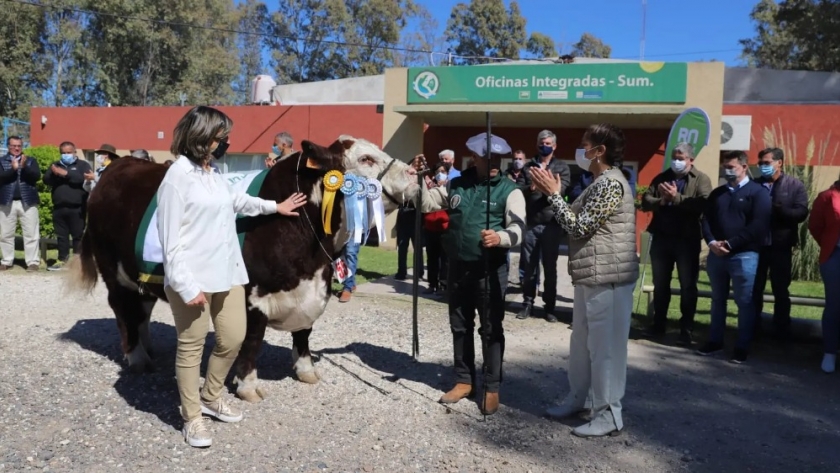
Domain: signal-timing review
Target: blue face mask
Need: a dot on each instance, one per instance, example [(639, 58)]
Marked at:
[(545, 150), (275, 150), (730, 175), (68, 159), (767, 170)]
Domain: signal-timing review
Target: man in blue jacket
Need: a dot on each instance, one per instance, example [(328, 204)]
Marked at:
[(736, 225), (19, 201)]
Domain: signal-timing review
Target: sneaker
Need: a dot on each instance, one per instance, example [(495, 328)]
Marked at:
[(710, 348), (739, 356), (399, 277), (221, 410), (549, 315), (197, 433), (685, 338), (525, 312), (57, 266)]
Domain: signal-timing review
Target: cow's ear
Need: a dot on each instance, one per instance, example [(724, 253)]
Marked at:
[(313, 154), (347, 141)]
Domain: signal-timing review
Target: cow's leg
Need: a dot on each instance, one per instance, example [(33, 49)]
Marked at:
[(145, 337), (302, 358), (246, 363), (132, 312)]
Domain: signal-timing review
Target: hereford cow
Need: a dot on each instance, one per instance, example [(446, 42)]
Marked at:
[(288, 259)]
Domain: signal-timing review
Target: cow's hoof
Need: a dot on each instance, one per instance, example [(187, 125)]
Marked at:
[(309, 377), (140, 368), (251, 395)]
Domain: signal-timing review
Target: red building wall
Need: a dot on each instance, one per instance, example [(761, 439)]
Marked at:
[(253, 130)]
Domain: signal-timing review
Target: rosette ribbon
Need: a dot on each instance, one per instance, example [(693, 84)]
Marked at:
[(376, 208), (354, 208), (332, 183)]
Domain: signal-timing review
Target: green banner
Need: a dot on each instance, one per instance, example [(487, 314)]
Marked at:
[(692, 127), (630, 82)]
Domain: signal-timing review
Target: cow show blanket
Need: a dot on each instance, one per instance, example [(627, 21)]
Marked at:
[(147, 247)]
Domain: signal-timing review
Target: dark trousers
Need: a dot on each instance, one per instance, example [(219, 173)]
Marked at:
[(436, 258), (541, 244), (466, 296), (405, 235), (665, 253), (779, 261), (68, 222)]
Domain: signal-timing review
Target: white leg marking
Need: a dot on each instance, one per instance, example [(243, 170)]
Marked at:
[(247, 389), (304, 369), (125, 281), (293, 310)]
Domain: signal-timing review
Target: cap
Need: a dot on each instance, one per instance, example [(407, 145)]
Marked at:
[(478, 144), (107, 149)]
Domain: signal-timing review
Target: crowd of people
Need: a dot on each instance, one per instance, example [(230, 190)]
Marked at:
[(70, 180)]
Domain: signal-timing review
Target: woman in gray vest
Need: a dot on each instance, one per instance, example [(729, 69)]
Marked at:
[(604, 267)]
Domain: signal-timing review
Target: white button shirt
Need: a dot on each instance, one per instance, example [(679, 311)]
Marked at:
[(196, 223)]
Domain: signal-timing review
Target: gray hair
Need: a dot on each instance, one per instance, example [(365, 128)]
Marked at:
[(446, 152), (195, 132), (685, 149), (141, 154), (285, 138), (547, 134)]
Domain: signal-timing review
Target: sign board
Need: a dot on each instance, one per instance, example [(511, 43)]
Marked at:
[(631, 82), (692, 127)]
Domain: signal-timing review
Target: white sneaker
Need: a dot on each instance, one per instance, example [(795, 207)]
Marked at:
[(221, 410), (197, 433), (829, 362)]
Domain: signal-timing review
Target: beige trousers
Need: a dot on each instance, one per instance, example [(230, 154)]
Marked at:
[(227, 311), (30, 224)]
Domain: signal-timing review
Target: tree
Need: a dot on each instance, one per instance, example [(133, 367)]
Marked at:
[(21, 77), (422, 36), (377, 26), (484, 28), (591, 46), (795, 34), (62, 47), (541, 46), (251, 18)]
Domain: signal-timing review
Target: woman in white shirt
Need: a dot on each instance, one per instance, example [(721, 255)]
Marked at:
[(203, 265)]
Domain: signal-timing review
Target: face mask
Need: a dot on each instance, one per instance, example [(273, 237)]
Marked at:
[(447, 166), (580, 159), (441, 177), (219, 152), (519, 163), (100, 160), (545, 150), (678, 166), (730, 175), (67, 159), (276, 150), (767, 170)]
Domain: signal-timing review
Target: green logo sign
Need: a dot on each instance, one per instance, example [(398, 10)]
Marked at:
[(632, 82), (692, 127)]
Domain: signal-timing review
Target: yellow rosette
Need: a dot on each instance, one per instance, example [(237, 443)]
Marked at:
[(332, 183)]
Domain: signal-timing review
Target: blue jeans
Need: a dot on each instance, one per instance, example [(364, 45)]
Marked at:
[(351, 259), (740, 268), (830, 272)]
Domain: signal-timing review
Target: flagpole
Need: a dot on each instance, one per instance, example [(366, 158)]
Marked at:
[(486, 298)]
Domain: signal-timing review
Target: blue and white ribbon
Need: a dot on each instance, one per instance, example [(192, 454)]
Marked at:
[(376, 208), (355, 207)]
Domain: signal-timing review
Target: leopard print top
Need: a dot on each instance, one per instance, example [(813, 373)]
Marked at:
[(603, 201)]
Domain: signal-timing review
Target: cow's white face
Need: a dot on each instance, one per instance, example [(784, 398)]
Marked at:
[(363, 158)]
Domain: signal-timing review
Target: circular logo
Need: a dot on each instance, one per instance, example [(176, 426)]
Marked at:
[(349, 185), (426, 84), (361, 187), (333, 181), (455, 202)]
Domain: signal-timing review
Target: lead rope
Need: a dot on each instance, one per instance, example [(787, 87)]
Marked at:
[(308, 220)]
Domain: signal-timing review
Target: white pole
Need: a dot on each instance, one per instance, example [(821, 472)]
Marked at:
[(644, 20)]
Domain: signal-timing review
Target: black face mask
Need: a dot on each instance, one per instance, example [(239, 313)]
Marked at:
[(447, 166), (219, 152)]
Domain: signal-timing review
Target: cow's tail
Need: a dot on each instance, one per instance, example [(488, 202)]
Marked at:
[(81, 275)]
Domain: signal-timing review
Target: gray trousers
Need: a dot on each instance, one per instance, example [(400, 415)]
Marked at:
[(598, 351), (541, 243)]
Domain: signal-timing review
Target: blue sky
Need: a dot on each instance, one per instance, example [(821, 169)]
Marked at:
[(677, 30)]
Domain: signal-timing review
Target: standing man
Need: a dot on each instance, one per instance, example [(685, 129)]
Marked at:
[(19, 202), (541, 242), (677, 198), (351, 259), (516, 173), (67, 177), (472, 250), (790, 208), (447, 157), (281, 148), (736, 225)]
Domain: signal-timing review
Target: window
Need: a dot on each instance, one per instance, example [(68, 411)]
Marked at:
[(241, 163)]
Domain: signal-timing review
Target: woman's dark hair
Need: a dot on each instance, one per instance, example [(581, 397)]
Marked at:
[(612, 137), (439, 167), (196, 131)]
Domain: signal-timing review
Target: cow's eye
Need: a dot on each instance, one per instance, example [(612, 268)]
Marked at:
[(367, 160)]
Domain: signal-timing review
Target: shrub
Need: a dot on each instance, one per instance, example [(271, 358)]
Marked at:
[(640, 192), (45, 155)]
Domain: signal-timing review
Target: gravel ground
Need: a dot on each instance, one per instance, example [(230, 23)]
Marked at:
[(67, 405)]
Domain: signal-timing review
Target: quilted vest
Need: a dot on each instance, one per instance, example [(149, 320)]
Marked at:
[(609, 256)]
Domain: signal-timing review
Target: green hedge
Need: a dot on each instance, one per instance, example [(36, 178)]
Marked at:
[(45, 155)]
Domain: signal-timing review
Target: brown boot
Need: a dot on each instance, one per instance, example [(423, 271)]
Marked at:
[(491, 403), (460, 391), (345, 296)]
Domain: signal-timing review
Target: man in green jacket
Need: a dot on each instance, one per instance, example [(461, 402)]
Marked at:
[(472, 248)]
